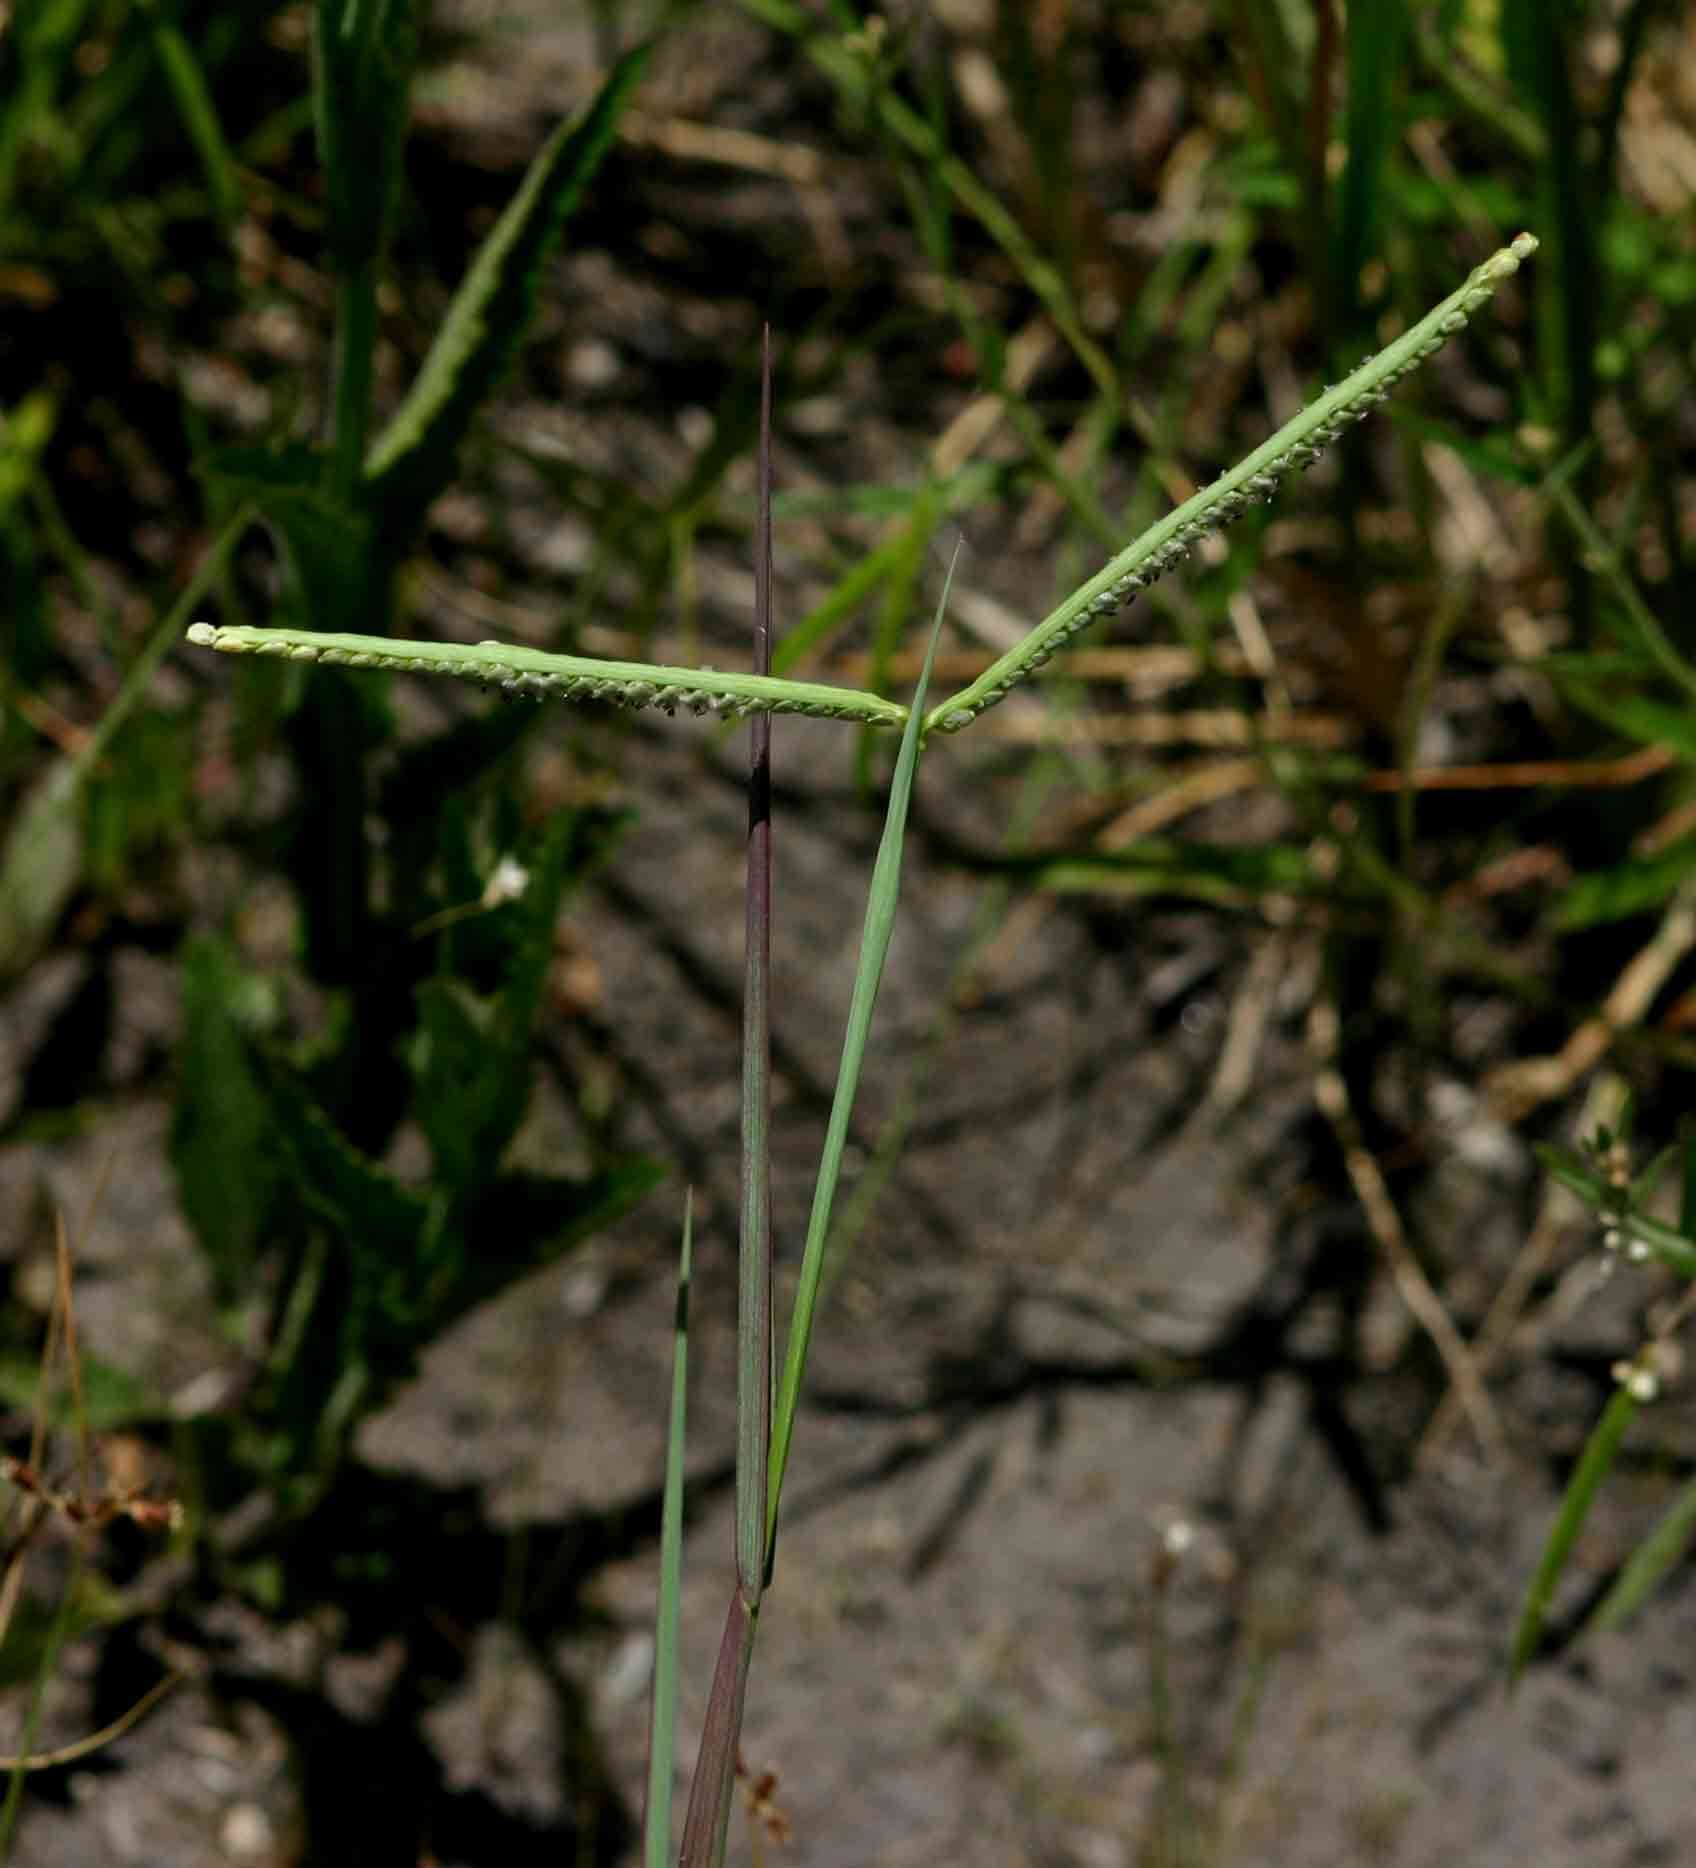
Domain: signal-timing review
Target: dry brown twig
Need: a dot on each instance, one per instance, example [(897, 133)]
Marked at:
[(80, 1507)]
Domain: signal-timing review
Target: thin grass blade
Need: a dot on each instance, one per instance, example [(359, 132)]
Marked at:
[(1374, 36), (662, 1728), (753, 1324), (874, 949), (200, 119), (1600, 1451), (1652, 1560), (41, 859)]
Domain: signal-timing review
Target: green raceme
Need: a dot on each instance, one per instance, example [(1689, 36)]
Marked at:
[(533, 674)]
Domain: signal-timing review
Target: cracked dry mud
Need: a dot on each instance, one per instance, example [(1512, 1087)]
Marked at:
[(1076, 1320)]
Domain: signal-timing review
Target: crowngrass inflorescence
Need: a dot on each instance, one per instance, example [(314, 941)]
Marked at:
[(533, 674)]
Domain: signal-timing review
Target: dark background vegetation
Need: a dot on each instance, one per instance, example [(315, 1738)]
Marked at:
[(1245, 958)]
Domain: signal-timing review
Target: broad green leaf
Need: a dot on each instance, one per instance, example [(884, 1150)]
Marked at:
[(41, 861), (461, 1080), (111, 1397), (1375, 37), (382, 1233), (40, 865), (363, 53), (222, 1143), (24, 434), (472, 1057), (413, 458), (38, 1629), (142, 799)]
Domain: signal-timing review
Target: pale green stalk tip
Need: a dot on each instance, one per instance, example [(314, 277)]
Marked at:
[(1256, 478)]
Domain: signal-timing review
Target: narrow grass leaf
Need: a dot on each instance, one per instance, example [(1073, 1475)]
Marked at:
[(853, 77), (1216, 872), (200, 119), (1659, 1553), (1594, 1464), (874, 949), (753, 1315), (1649, 722), (1374, 37), (1687, 1183), (662, 1728), (898, 595), (1670, 1245), (1602, 558), (1630, 888), (839, 604), (41, 861)]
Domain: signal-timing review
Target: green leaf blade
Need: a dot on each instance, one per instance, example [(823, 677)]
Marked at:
[(874, 950), (1600, 1451), (413, 458)]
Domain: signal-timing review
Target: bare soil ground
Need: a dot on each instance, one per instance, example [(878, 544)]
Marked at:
[(1112, 1541)]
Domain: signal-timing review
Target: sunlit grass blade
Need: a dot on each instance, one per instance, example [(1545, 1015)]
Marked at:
[(839, 604), (662, 1728), (753, 1316), (1600, 1451), (874, 948)]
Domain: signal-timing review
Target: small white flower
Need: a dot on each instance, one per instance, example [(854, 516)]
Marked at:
[(509, 881), (1638, 1380)]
